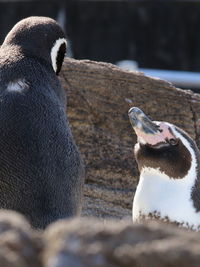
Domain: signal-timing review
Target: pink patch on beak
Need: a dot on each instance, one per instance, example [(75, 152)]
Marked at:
[(156, 138)]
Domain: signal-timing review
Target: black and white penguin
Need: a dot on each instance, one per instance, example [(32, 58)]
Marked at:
[(41, 171), (169, 164)]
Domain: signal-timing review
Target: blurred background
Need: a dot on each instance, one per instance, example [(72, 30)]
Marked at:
[(156, 37)]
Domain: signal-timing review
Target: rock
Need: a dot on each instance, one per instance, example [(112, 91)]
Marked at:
[(89, 243), (19, 245), (99, 96)]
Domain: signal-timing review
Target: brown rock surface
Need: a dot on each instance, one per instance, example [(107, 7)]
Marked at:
[(19, 244), (89, 243), (99, 96)]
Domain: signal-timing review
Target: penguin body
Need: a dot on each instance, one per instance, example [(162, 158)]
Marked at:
[(169, 161), (41, 171)]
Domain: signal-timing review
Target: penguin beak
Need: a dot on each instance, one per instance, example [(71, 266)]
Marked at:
[(141, 122), (148, 132)]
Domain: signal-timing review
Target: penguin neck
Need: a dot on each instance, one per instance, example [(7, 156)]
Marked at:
[(189, 179), (160, 184), (175, 199)]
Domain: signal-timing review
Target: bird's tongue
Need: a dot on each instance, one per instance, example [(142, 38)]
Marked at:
[(148, 132)]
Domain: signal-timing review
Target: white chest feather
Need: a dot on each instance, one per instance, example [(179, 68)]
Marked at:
[(168, 197)]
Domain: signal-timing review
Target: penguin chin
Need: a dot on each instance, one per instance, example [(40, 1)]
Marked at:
[(160, 145), (157, 146)]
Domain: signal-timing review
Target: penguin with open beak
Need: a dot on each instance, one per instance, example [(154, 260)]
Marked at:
[(41, 171), (169, 183)]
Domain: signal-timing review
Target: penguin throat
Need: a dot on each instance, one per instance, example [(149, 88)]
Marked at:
[(163, 197), (176, 200)]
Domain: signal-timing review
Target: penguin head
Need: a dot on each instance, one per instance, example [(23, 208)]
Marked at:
[(162, 146), (39, 37)]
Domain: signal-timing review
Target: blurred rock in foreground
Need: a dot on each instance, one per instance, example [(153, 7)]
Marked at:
[(89, 243), (19, 244)]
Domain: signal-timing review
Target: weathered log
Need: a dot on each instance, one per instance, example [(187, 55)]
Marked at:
[(99, 96)]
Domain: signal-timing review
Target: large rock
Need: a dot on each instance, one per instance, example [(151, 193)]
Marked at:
[(99, 96), (19, 244), (92, 244)]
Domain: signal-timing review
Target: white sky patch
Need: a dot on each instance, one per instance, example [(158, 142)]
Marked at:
[(54, 51), (167, 196)]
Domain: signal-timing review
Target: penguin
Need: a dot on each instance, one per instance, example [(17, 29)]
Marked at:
[(168, 160), (41, 169)]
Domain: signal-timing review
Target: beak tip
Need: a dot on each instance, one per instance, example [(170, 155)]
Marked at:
[(130, 110), (139, 120), (135, 109)]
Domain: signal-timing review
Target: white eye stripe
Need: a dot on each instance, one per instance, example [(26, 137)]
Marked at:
[(54, 51)]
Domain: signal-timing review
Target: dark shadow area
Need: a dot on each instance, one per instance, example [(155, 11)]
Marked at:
[(156, 34)]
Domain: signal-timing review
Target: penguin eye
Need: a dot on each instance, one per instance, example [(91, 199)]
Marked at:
[(173, 141)]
